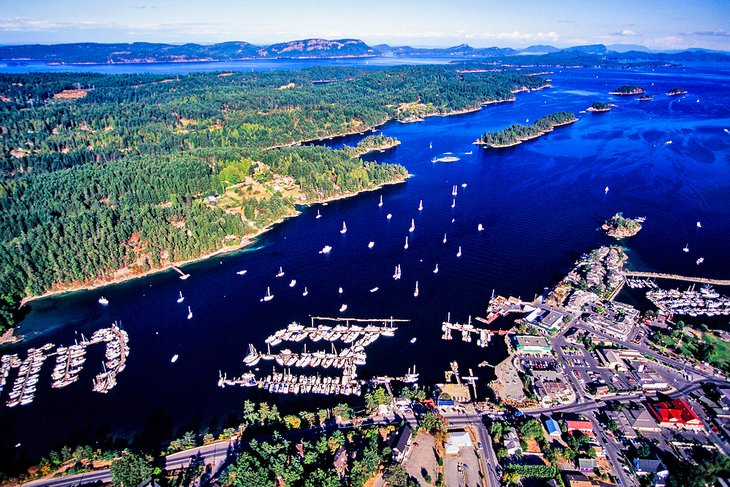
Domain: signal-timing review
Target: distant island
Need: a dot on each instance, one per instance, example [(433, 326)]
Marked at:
[(372, 143), (619, 227), (599, 106), (518, 133), (628, 90), (676, 91)]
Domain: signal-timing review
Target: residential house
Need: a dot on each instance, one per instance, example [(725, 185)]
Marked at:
[(511, 441)]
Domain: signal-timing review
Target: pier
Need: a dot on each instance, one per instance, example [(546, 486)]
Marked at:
[(675, 277)]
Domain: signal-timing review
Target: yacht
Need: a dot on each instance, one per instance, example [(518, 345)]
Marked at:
[(389, 216), (181, 298), (326, 249), (375, 289), (436, 269), (415, 293), (463, 185), (480, 228), (319, 215), (344, 228), (453, 203), (420, 205), (242, 272), (371, 245), (700, 260), (454, 190), (190, 313), (281, 272), (413, 226), (699, 225), (174, 359), (413, 340), (305, 291), (397, 273), (686, 248), (380, 203), (668, 142), (458, 254), (340, 290), (253, 356), (293, 283), (268, 296), (343, 308), (103, 301), (406, 245)]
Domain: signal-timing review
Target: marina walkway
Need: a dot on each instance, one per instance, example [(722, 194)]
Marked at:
[(675, 277)]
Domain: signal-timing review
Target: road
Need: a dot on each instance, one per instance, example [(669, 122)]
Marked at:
[(487, 451)]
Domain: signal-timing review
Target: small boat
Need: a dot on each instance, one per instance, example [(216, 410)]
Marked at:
[(413, 340), (103, 301), (444, 240), (436, 269), (375, 289), (686, 248), (458, 254), (480, 228), (268, 296), (415, 293), (463, 185), (468, 153), (668, 142), (700, 260), (406, 245), (430, 145), (389, 216), (371, 245), (453, 203), (181, 298), (413, 226), (190, 313), (242, 272), (319, 215), (699, 225), (420, 205), (173, 359), (453, 220), (325, 250), (305, 291), (293, 283), (344, 228), (726, 131), (397, 273), (605, 191), (454, 190), (340, 290), (281, 272), (343, 308), (381, 200)]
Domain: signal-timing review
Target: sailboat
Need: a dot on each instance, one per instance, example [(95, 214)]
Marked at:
[(281, 272), (686, 248), (371, 245), (173, 359), (413, 226), (381, 200), (319, 215), (480, 228), (190, 313), (458, 254), (181, 298), (406, 245), (420, 205), (326, 249), (454, 190), (305, 291), (453, 203), (344, 228), (699, 225), (340, 290), (700, 260), (242, 272), (444, 238), (436, 269), (397, 273), (463, 185), (293, 283), (389, 216), (103, 301), (343, 308), (375, 289), (605, 191), (430, 145), (268, 296), (415, 293)]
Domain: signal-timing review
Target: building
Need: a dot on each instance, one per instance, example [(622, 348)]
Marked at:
[(648, 379), (553, 320), (675, 413), (640, 420), (587, 464), (654, 467), (550, 387), (611, 359), (724, 398), (532, 344), (403, 445), (511, 442), (552, 427), (340, 461), (457, 440), (585, 427), (579, 480)]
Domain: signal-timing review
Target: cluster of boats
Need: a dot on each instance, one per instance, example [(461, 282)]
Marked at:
[(485, 336), (117, 351), (345, 332), (24, 387), (69, 362), (705, 302), (288, 383), (636, 283)]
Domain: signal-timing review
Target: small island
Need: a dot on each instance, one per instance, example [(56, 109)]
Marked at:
[(645, 98), (371, 143), (518, 133), (628, 90), (676, 91), (599, 106), (619, 227)]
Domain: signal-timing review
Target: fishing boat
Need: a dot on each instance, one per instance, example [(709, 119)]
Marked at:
[(699, 225), (453, 203), (319, 215), (458, 254), (325, 250), (406, 245), (700, 260), (605, 190), (415, 293), (305, 291), (103, 301), (389, 216), (268, 296), (375, 289), (436, 269), (413, 226), (371, 245), (480, 228), (420, 205), (344, 228), (174, 359), (293, 283), (281, 272), (190, 313), (181, 298), (343, 308), (444, 238), (242, 272), (686, 248), (380, 203)]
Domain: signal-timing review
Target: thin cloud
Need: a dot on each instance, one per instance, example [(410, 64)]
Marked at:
[(710, 33), (624, 33)]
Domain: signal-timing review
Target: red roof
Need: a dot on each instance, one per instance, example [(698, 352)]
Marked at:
[(584, 426), (676, 411)]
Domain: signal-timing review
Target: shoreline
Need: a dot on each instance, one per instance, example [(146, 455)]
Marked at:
[(518, 142)]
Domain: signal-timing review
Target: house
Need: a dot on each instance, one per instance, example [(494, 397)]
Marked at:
[(403, 445), (724, 398), (585, 427), (641, 420), (579, 480), (457, 440), (675, 413), (553, 320), (340, 462), (552, 427), (511, 442), (587, 464), (651, 466)]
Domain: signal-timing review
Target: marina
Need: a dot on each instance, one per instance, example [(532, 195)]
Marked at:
[(705, 302)]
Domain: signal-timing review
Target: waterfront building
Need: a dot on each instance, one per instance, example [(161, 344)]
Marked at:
[(532, 344)]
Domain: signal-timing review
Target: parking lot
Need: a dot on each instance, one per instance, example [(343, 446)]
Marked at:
[(462, 470)]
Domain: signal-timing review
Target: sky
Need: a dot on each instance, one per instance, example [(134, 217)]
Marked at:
[(661, 25)]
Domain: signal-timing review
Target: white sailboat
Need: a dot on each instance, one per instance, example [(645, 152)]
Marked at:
[(344, 228), (458, 254), (242, 272), (103, 301), (305, 291), (430, 145), (343, 308), (340, 290), (293, 283), (463, 185), (699, 225), (436, 269), (389, 216), (190, 313), (700, 260), (686, 248), (397, 273), (444, 238), (480, 228), (406, 245), (173, 359), (453, 203), (181, 298), (413, 226), (319, 215), (281, 272), (454, 190), (415, 293), (605, 191), (325, 250), (420, 205), (268, 296), (381, 200), (371, 244), (375, 289)]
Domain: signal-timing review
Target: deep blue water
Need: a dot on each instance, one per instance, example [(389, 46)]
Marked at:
[(541, 204)]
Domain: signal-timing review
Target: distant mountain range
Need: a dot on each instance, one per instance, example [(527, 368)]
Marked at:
[(145, 52)]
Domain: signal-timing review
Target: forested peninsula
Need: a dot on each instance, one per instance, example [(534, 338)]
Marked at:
[(106, 177), (518, 133)]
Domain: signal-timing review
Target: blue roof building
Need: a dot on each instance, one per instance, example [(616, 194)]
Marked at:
[(552, 426)]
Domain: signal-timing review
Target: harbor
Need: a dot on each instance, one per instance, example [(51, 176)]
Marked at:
[(705, 302)]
